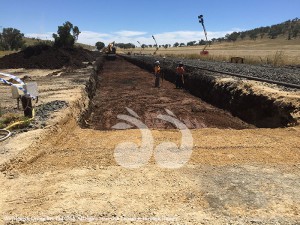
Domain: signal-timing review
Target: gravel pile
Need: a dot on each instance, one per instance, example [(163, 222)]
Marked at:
[(43, 111), (282, 74)]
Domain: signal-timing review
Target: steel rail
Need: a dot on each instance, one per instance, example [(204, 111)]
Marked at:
[(289, 85), (248, 77)]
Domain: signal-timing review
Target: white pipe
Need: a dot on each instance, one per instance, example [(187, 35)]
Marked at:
[(8, 134)]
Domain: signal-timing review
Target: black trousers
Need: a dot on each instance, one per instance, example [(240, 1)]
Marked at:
[(157, 80), (27, 106), (179, 82)]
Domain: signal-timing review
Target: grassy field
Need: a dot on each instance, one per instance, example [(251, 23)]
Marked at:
[(267, 51), (276, 52)]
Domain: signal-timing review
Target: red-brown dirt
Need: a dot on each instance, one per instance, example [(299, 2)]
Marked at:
[(125, 85)]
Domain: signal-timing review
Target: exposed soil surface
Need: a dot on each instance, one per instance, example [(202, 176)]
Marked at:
[(46, 57), (64, 174), (123, 84)]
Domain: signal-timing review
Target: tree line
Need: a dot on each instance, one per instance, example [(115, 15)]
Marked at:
[(13, 39), (67, 35), (289, 29), (100, 45)]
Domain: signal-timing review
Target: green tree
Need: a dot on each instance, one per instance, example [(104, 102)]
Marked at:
[(100, 45), (202, 42), (176, 44), (243, 35), (11, 39), (233, 36), (276, 30), (64, 38), (191, 43), (253, 35), (125, 46), (295, 30)]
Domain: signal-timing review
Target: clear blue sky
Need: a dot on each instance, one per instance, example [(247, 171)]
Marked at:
[(130, 20)]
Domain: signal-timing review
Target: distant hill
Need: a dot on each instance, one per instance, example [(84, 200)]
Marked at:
[(288, 30)]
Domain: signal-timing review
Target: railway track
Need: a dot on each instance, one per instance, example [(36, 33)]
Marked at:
[(285, 84), (286, 77)]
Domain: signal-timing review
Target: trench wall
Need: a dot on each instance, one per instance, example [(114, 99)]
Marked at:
[(257, 109), (91, 87)]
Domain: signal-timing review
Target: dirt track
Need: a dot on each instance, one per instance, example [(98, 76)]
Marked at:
[(248, 176)]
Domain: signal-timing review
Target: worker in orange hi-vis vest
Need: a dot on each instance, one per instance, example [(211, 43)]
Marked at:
[(179, 75), (157, 74)]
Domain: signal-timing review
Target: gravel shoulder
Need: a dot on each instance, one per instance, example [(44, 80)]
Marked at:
[(288, 75)]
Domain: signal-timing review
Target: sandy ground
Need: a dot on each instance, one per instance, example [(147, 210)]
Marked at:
[(52, 85), (70, 175)]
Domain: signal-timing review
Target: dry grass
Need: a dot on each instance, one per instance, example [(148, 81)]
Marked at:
[(3, 53), (276, 52)]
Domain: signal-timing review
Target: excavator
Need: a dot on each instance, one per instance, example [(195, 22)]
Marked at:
[(155, 44), (110, 51)]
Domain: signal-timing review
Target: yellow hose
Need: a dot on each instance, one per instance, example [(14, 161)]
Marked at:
[(21, 122)]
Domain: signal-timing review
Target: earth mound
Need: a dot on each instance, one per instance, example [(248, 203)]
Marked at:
[(47, 57)]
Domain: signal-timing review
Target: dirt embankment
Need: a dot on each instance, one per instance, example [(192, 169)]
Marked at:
[(61, 99), (47, 57)]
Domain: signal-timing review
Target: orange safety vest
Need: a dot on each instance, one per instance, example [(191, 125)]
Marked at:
[(180, 70), (157, 69)]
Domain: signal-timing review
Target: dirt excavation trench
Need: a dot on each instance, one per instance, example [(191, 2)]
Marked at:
[(123, 85), (235, 173)]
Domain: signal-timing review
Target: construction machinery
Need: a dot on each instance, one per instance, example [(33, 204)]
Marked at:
[(110, 51), (140, 47), (201, 20), (155, 44)]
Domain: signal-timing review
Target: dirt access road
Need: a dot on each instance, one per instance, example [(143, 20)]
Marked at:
[(245, 176)]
